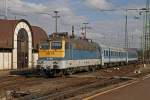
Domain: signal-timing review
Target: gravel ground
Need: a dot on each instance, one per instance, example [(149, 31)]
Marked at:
[(44, 85)]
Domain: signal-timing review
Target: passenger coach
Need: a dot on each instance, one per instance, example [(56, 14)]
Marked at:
[(117, 56)]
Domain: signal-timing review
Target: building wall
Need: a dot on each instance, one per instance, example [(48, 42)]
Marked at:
[(35, 58), (5, 60)]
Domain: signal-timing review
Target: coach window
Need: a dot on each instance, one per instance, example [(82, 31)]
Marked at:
[(114, 53), (110, 53), (104, 53), (121, 54)]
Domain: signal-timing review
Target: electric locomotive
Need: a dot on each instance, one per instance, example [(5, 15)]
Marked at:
[(67, 54)]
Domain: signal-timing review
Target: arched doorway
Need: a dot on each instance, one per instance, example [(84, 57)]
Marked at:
[(22, 49)]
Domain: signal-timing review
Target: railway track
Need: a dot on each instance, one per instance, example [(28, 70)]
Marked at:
[(63, 87), (74, 91), (77, 90), (19, 83)]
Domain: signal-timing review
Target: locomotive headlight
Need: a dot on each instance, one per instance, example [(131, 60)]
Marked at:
[(55, 62), (40, 62)]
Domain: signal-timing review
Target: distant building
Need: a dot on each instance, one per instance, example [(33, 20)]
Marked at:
[(19, 44)]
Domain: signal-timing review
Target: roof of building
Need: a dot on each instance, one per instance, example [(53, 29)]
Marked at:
[(39, 35), (7, 28), (6, 33)]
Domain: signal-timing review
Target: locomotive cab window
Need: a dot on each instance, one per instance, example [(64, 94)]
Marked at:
[(45, 46), (56, 45)]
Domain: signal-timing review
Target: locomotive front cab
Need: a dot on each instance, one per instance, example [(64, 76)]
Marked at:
[(52, 49), (50, 54)]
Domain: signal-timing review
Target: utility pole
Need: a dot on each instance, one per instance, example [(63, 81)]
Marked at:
[(126, 29), (145, 36), (73, 35), (146, 41), (85, 28), (6, 9), (143, 39), (148, 50), (126, 33), (56, 20)]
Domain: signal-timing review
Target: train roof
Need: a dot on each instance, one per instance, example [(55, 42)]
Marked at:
[(112, 48), (120, 49)]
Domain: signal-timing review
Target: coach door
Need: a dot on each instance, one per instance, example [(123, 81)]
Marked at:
[(22, 49)]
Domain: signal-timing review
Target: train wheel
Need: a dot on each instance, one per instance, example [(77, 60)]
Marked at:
[(92, 68), (51, 73), (70, 71), (43, 72), (62, 72), (98, 67)]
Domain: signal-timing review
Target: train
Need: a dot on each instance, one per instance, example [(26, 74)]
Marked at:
[(64, 54)]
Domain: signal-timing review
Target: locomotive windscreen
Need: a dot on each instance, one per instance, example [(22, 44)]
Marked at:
[(45, 46), (56, 45), (52, 49)]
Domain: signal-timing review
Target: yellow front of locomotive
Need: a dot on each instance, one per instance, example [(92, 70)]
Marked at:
[(56, 49), (51, 54)]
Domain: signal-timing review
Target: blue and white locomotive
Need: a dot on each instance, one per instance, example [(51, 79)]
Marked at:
[(67, 54)]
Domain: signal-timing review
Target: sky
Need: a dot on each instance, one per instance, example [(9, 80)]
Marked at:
[(107, 27)]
